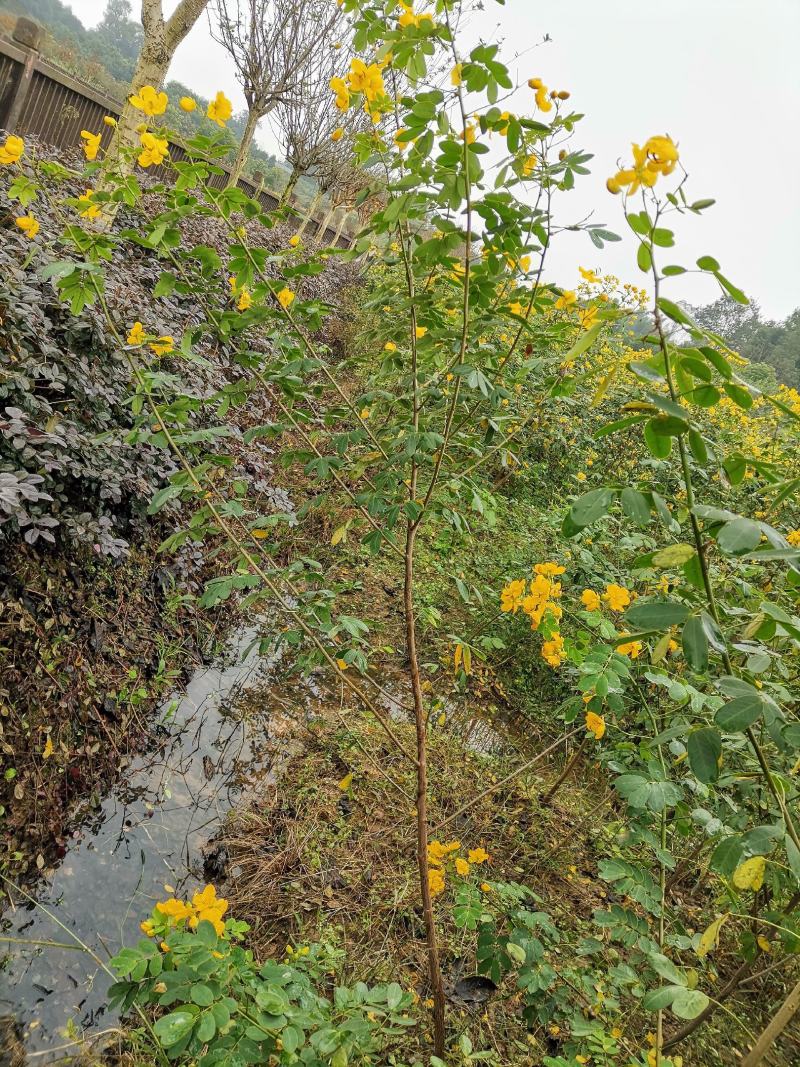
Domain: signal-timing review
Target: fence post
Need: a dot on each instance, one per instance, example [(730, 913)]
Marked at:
[(27, 34)]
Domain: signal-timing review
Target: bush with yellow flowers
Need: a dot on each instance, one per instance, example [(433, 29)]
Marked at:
[(216, 1005)]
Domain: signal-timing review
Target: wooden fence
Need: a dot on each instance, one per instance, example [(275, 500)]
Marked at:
[(39, 100)]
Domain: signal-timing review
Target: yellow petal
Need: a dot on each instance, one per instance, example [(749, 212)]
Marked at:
[(346, 782)]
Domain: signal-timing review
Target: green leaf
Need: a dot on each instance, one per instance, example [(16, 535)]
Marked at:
[(739, 713), (644, 257), (739, 394), (591, 506), (689, 1003), (584, 342), (658, 445), (739, 536), (695, 643), (635, 505), (673, 556), (707, 263), (705, 748), (201, 994), (656, 614), (169, 1029)]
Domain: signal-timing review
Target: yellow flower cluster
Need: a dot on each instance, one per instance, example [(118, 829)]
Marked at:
[(136, 336), (154, 150), (658, 155), (438, 856), (409, 18), (87, 209), (91, 144), (28, 224), (205, 906), (11, 150), (363, 78), (542, 98), (537, 599)]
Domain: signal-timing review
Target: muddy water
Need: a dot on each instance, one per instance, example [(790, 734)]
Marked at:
[(150, 831)]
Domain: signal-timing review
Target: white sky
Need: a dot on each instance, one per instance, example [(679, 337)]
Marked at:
[(720, 76)]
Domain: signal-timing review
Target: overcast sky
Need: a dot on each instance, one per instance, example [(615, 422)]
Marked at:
[(720, 76)]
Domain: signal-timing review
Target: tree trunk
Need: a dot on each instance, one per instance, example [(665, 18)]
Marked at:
[(160, 41), (780, 1020), (288, 189), (243, 152)]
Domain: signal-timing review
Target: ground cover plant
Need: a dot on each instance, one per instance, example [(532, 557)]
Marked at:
[(660, 604)]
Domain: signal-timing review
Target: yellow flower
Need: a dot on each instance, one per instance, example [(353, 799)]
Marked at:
[(435, 881), (793, 537), (529, 165), (662, 154), (285, 297), (455, 74), (365, 79), (420, 331), (477, 856), (589, 276), (630, 648), (581, 476), (187, 103), (641, 174), (462, 867), (346, 782), (175, 909), (408, 18), (88, 209), (163, 345), (587, 316), (294, 241), (390, 346), (28, 224), (11, 151), (92, 145), (617, 597), (469, 133), (595, 724), (542, 101), (154, 150), (147, 928), (549, 570), (567, 298), (136, 334), (150, 100), (590, 600), (339, 87), (553, 651), (220, 109), (109, 120), (512, 596), (245, 299), (364, 414), (337, 134)]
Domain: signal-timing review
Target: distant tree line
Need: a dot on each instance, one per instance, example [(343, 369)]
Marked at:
[(756, 338)]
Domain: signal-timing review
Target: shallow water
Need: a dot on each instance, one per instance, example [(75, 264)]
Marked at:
[(149, 831)]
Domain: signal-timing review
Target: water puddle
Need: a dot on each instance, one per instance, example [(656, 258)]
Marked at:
[(150, 830)]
